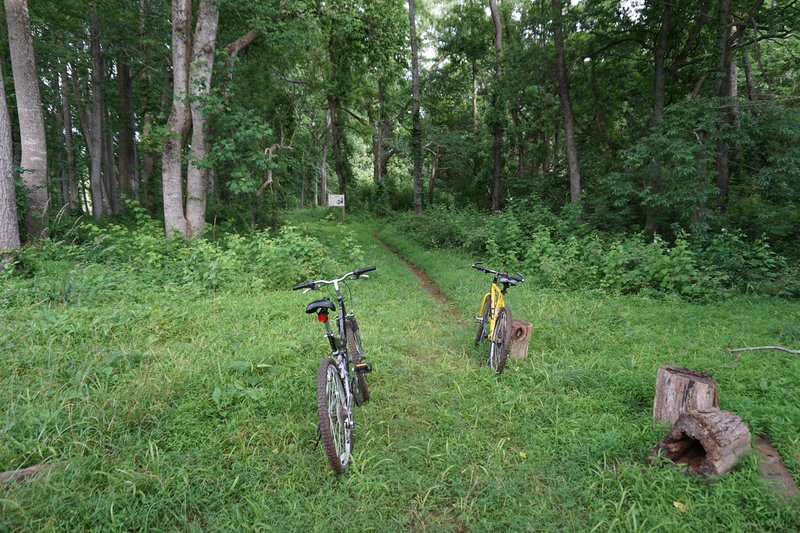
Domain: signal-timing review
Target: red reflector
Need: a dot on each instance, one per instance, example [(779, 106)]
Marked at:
[(322, 317)]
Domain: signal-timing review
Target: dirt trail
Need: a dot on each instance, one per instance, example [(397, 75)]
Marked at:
[(424, 279)]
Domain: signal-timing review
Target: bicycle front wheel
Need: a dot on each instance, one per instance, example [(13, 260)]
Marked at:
[(501, 340), (356, 351), (483, 322), (335, 417)]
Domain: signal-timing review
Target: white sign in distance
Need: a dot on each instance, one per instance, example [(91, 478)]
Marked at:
[(336, 200)]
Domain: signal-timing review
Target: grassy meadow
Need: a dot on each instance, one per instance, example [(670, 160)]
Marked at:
[(167, 409)]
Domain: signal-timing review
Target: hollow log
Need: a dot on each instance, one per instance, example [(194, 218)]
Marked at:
[(680, 390), (709, 443), (520, 338)]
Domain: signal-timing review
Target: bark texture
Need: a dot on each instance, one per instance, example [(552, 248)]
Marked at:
[(707, 442), (33, 158), (94, 129), (9, 228), (205, 38), (179, 122), (680, 390), (520, 338)]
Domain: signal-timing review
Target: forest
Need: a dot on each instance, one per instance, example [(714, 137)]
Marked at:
[(167, 173)]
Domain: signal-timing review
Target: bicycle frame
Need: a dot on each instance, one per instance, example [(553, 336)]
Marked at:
[(339, 349), (497, 297)]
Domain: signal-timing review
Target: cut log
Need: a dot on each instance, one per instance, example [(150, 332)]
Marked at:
[(708, 442), (520, 338), (23, 473), (681, 390)]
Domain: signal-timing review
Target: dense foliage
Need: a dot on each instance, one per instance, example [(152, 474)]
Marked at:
[(685, 113), (555, 252)]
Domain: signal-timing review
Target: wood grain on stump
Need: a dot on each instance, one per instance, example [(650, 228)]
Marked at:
[(680, 390), (707, 442), (520, 338)]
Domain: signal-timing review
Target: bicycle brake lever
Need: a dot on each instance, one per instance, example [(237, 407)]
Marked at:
[(309, 289), (364, 276)]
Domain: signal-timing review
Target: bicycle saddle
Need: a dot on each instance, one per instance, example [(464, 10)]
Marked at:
[(504, 279), (320, 304)]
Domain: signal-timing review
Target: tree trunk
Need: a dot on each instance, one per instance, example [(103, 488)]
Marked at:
[(175, 223), (728, 92), (323, 168), (497, 128), (416, 128), (205, 38), (33, 158), (432, 181), (474, 72), (566, 107), (73, 197), (679, 390), (94, 135), (707, 442), (148, 162), (9, 227), (110, 181), (127, 159)]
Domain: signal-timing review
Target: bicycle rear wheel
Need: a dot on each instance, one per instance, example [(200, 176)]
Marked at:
[(501, 340), (356, 351), (335, 423), (483, 322)]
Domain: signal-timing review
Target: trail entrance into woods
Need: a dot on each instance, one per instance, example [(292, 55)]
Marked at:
[(423, 278)]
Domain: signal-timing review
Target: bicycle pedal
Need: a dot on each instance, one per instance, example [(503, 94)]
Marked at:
[(363, 368)]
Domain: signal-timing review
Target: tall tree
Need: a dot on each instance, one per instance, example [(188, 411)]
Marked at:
[(416, 128), (205, 38), (33, 159), (9, 228), (497, 123), (179, 121), (562, 76)]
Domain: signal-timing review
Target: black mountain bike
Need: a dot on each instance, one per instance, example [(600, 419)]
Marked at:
[(339, 386)]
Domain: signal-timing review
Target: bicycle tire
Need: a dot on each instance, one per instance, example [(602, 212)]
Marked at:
[(356, 350), (481, 334), (335, 434), (501, 340)]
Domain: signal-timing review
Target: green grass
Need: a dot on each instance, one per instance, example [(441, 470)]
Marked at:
[(165, 410)]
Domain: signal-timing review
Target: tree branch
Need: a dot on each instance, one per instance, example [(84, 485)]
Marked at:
[(764, 348)]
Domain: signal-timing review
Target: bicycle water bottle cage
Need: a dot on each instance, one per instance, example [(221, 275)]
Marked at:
[(320, 306)]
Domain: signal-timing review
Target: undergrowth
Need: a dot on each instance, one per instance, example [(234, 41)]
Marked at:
[(558, 253)]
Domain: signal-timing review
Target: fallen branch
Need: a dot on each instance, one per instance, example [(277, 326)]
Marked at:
[(764, 348), (748, 349)]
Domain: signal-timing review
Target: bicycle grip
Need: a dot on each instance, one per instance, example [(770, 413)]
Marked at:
[(304, 285), (357, 272)]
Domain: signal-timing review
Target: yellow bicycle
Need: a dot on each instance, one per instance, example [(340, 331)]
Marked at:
[(494, 319)]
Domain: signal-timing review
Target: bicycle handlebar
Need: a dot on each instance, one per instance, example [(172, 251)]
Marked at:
[(314, 285), (497, 272)]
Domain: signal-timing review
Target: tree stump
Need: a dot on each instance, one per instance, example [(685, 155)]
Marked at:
[(680, 390), (520, 338), (708, 442)]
